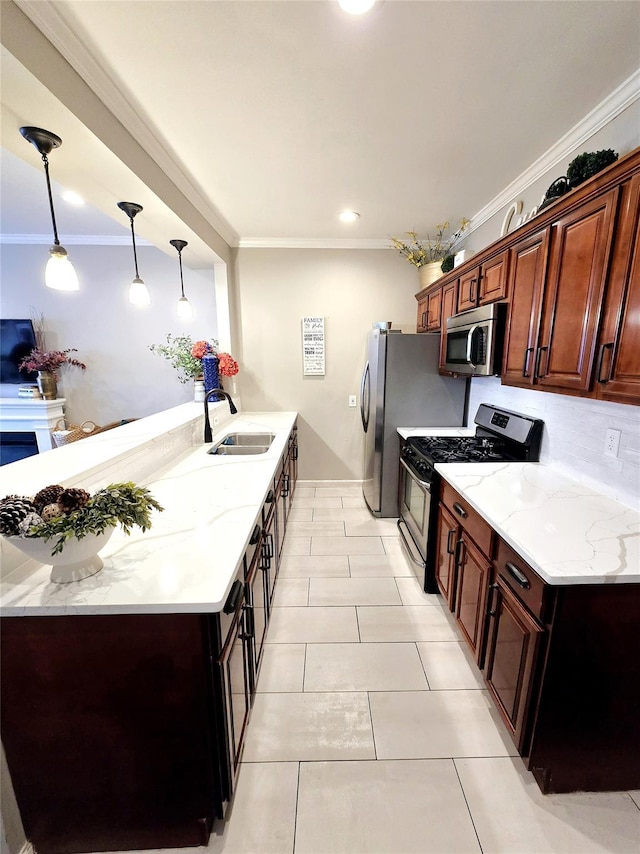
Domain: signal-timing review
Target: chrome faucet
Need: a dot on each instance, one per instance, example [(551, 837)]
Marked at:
[(207, 424)]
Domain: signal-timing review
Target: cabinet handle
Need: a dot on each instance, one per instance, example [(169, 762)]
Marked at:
[(460, 553), (295, 451), (537, 373), (255, 536), (450, 547), (492, 610), (603, 348), (472, 282), (233, 598), (269, 497), (285, 486), (525, 365), (460, 510), (518, 576)]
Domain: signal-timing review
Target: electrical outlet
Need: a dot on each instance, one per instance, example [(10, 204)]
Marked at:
[(352, 400), (612, 443)]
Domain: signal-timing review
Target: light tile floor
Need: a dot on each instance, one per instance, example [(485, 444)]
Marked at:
[(371, 731)]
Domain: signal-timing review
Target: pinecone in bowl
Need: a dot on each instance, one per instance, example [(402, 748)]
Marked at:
[(12, 511), (73, 499), (48, 495)]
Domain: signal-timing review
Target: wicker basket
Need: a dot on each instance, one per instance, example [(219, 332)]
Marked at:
[(73, 432)]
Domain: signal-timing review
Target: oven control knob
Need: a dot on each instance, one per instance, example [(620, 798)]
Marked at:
[(422, 467), (408, 452)]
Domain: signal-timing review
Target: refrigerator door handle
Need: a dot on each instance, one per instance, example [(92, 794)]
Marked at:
[(365, 394)]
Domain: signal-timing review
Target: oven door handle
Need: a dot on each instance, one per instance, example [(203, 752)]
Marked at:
[(423, 483), (470, 344), (408, 543)]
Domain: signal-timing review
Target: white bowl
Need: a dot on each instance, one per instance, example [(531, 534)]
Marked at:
[(78, 559)]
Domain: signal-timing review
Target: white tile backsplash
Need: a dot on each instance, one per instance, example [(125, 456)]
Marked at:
[(574, 435)]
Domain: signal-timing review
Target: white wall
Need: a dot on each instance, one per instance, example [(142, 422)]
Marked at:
[(351, 289), (123, 378)]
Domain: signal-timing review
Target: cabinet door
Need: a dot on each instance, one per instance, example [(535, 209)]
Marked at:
[(513, 646), (618, 367), (449, 305), (256, 615), (234, 678), (434, 310), (447, 539), (579, 259), (471, 591), (468, 289), (423, 310), (526, 283), (492, 285)]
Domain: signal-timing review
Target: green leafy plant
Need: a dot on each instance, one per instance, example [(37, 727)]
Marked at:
[(185, 355), (425, 250), (589, 163), (119, 503)]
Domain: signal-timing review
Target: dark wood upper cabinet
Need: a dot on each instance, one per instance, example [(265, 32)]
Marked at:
[(526, 283), (574, 291), (449, 302), (485, 283), (618, 366), (571, 276)]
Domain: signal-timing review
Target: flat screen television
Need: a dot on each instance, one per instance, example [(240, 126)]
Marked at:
[(17, 340)]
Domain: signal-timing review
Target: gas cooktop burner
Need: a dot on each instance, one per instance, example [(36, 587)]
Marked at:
[(501, 436), (461, 449)]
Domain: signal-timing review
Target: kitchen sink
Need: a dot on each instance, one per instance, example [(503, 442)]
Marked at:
[(241, 444)]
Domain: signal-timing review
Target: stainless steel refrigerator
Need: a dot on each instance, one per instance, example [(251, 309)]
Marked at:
[(401, 387)]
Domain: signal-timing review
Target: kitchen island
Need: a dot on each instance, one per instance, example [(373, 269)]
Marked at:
[(126, 695)]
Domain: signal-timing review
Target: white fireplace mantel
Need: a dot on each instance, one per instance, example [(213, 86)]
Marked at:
[(21, 415)]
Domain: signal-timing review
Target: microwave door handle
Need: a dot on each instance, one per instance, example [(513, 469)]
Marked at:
[(470, 344)]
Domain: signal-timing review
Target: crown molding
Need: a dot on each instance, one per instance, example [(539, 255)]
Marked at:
[(72, 240), (619, 100), (312, 243), (53, 25)]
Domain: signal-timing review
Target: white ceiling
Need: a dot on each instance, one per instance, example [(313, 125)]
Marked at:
[(274, 116)]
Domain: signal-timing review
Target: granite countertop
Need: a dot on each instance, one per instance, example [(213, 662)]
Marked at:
[(187, 561), (568, 533)]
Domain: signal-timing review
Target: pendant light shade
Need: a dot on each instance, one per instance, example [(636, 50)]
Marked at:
[(138, 292), (183, 310), (59, 273)]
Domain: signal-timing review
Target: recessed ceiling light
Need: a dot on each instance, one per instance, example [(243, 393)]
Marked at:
[(72, 198), (348, 216), (356, 7)]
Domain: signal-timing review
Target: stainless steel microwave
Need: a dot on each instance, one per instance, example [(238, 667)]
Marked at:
[(474, 341)]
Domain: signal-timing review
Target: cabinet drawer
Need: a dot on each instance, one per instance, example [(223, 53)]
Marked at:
[(472, 522), (524, 581)]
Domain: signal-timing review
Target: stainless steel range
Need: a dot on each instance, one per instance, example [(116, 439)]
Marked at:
[(501, 436)]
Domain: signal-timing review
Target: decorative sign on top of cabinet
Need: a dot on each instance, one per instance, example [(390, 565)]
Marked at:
[(571, 276)]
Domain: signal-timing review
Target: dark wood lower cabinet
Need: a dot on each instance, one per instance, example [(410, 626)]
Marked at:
[(561, 662), (111, 730), (471, 593), (514, 644)]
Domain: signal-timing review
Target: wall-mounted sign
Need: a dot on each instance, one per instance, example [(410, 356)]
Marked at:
[(313, 346)]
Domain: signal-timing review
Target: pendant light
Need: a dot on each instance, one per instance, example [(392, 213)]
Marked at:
[(59, 273), (184, 310), (138, 292)]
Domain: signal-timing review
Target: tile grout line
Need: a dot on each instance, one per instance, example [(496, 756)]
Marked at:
[(464, 795)]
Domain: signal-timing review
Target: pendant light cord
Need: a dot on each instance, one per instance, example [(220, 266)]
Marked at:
[(135, 256), (45, 160), (181, 281)]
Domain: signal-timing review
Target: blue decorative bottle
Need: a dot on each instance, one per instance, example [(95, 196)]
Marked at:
[(210, 371)]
